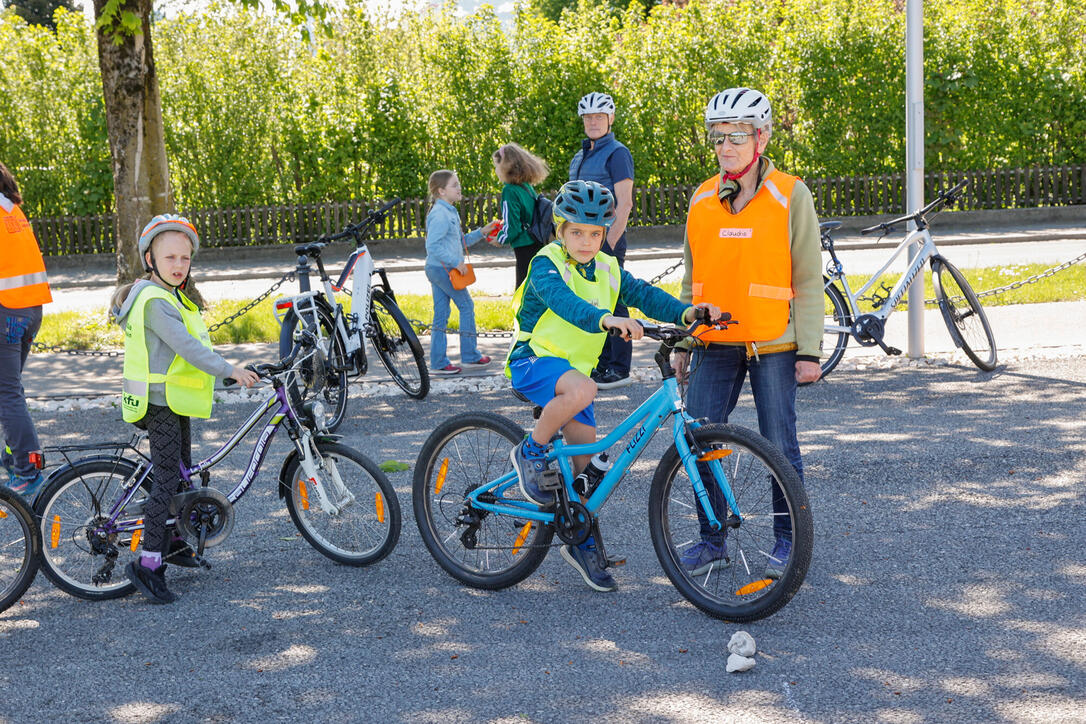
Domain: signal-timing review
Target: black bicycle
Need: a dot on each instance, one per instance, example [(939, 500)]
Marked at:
[(342, 334), (20, 547)]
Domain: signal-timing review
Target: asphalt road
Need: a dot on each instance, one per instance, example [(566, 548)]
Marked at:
[(947, 585)]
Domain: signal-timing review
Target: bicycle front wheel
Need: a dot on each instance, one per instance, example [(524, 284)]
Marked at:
[(478, 548), (20, 547), (323, 376), (964, 317), (838, 319), (398, 346), (365, 524), (81, 552), (741, 580)]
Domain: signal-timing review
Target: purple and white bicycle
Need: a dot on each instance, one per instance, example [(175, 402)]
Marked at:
[(90, 513)]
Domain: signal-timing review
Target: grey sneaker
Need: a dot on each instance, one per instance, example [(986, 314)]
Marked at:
[(530, 475), (586, 559), (778, 559), (703, 555)]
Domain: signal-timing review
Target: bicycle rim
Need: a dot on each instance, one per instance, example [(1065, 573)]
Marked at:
[(70, 509), (964, 316), (20, 548), (480, 549), (837, 315), (323, 378), (366, 525), (740, 588), (398, 346)]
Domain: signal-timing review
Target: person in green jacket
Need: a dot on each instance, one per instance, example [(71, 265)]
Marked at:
[(519, 169)]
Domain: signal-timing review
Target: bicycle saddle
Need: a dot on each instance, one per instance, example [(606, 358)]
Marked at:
[(536, 409), (313, 249), (830, 225)]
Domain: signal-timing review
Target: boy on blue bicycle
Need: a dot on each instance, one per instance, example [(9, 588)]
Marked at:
[(563, 311)]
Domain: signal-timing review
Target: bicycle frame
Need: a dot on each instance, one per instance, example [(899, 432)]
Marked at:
[(276, 402), (648, 418), (883, 312)]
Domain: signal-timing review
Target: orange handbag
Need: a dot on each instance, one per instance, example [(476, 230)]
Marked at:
[(465, 280)]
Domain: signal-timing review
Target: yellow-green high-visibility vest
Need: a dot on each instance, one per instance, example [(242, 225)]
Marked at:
[(189, 391), (554, 336)]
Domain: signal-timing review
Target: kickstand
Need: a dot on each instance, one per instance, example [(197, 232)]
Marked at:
[(611, 561)]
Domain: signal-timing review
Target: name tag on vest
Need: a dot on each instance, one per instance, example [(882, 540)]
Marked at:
[(736, 233)]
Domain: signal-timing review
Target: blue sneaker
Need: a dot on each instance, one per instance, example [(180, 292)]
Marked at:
[(778, 559), (703, 555), (585, 558), (26, 487), (530, 474)]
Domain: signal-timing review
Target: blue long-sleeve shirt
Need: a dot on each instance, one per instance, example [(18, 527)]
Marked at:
[(444, 239), (544, 289)]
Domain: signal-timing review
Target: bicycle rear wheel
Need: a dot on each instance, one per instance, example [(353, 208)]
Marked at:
[(834, 340), (72, 510), (398, 346), (20, 547), (963, 314), (478, 548), (323, 376), (366, 525), (740, 587)]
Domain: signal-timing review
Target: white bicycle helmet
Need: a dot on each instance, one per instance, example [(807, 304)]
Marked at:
[(168, 222), (595, 103), (739, 105)]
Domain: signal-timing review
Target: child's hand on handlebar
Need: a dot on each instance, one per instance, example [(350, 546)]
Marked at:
[(712, 312), (243, 376), (627, 328)]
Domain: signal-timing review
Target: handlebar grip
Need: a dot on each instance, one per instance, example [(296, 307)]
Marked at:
[(228, 382), (872, 229)]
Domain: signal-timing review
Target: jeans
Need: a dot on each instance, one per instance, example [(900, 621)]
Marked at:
[(617, 353), (716, 379), (18, 327), (443, 293)]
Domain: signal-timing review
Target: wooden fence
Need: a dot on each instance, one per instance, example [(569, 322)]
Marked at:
[(665, 205)]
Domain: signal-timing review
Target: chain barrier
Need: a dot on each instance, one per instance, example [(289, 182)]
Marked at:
[(424, 328)]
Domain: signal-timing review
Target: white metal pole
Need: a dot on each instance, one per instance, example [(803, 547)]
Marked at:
[(914, 151)]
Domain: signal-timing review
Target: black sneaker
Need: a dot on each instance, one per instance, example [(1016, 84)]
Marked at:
[(181, 554), (610, 379), (151, 583)]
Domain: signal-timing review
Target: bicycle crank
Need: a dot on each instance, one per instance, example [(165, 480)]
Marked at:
[(204, 517), (868, 331), (572, 523)]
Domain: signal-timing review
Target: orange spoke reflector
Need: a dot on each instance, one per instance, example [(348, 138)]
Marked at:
[(754, 587), (136, 537), (521, 537), (715, 455), (3, 514), (380, 507), (303, 493), (441, 473), (54, 534)]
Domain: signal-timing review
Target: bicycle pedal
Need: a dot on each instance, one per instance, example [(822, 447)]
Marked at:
[(204, 563), (893, 350), (616, 561), (552, 480)]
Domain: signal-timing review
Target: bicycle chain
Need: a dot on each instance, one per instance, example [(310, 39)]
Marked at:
[(289, 276)]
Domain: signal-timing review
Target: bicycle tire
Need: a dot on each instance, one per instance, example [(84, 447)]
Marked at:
[(968, 324), (20, 547), (332, 389), (834, 341), (398, 346), (742, 591), (373, 526), (501, 551), (67, 510)]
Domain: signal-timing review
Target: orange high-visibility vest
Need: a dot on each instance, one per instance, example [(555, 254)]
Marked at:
[(743, 262), (22, 270)]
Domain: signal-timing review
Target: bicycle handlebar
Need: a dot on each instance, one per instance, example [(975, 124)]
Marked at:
[(352, 231), (670, 334), (940, 200), (266, 371)]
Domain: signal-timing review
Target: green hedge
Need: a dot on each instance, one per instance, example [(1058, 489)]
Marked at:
[(256, 115)]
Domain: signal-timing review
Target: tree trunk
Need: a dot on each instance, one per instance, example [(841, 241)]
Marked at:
[(137, 144)]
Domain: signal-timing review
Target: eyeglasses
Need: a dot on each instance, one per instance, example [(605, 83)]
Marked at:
[(736, 138)]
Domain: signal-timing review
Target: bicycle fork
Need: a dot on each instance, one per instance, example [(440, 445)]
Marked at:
[(318, 471), (691, 453)]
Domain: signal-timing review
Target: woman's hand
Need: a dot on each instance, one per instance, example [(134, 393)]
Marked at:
[(807, 371), (244, 377), (714, 311), (629, 328), (680, 362)]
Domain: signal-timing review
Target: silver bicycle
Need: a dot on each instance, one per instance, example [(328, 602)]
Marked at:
[(960, 307)]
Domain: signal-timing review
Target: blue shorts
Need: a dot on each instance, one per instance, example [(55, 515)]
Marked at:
[(536, 377)]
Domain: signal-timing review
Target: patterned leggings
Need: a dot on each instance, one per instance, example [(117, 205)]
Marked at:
[(170, 446)]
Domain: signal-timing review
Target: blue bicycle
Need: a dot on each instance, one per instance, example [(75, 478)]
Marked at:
[(724, 479)]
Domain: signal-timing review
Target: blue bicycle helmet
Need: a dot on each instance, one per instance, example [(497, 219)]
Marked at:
[(584, 202)]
